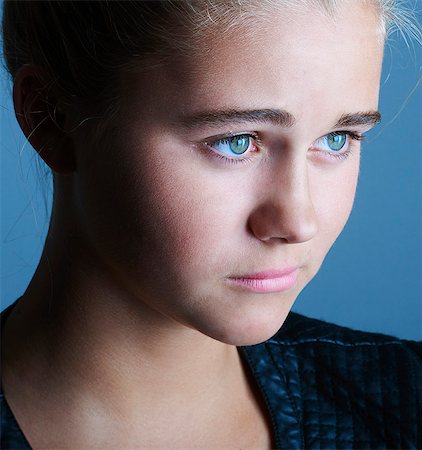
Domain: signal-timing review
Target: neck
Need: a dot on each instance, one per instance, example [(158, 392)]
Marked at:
[(114, 350)]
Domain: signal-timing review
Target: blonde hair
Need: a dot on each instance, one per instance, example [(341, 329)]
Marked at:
[(82, 46)]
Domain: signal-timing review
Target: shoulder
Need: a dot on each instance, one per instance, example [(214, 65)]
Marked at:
[(316, 340), (313, 340), (337, 349), (373, 360), (342, 387), (299, 329), (11, 434)]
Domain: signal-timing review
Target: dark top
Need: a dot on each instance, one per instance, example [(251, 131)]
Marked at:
[(325, 387)]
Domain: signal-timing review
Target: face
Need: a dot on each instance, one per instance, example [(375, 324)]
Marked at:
[(230, 172)]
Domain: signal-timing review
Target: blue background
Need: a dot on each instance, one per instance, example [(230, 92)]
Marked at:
[(372, 277)]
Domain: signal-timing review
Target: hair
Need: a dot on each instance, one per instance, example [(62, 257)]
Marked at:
[(83, 46)]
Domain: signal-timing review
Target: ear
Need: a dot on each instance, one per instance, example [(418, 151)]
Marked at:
[(38, 114)]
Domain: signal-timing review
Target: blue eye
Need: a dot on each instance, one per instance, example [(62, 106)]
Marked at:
[(333, 142), (338, 144), (234, 145), (336, 141)]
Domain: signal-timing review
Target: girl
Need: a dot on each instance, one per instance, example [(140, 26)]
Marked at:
[(205, 158)]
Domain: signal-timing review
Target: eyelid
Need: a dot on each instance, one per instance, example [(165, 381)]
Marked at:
[(351, 133), (354, 135), (231, 134), (360, 130)]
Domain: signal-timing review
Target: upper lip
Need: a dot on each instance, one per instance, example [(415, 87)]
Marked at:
[(268, 274)]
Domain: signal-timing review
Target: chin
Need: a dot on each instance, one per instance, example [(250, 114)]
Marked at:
[(249, 329)]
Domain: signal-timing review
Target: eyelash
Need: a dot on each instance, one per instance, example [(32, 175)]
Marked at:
[(340, 155), (256, 142)]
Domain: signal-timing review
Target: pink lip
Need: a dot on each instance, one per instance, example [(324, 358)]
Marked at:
[(268, 281)]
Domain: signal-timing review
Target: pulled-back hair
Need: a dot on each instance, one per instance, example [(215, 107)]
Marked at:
[(82, 46)]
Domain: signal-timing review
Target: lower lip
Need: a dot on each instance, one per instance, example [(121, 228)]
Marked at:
[(276, 284)]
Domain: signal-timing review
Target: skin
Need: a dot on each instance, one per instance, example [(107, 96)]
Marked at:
[(132, 322)]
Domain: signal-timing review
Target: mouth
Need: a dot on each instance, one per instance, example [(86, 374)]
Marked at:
[(267, 281)]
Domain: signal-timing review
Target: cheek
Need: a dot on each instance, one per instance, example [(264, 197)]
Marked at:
[(333, 194), (194, 217), (178, 219)]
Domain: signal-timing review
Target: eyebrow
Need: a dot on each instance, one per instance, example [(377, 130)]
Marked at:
[(360, 118), (277, 117)]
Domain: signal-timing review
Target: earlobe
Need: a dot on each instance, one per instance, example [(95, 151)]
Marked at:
[(38, 114)]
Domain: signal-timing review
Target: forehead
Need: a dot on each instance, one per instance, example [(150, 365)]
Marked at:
[(302, 60)]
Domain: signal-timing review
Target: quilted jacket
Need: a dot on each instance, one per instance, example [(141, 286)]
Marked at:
[(325, 387)]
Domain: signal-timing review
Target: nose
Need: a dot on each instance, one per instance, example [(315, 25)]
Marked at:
[(285, 211)]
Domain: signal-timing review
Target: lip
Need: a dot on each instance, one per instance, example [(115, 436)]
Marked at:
[(267, 281)]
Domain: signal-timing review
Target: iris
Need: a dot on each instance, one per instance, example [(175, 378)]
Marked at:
[(236, 144), (336, 141)]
